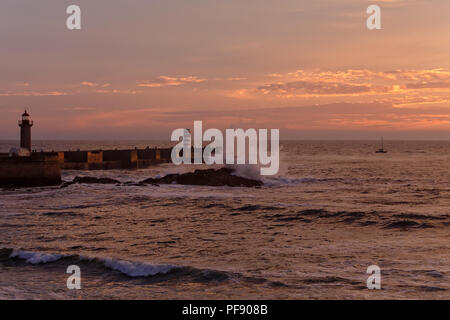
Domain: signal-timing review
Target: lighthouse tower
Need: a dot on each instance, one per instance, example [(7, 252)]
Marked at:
[(25, 131)]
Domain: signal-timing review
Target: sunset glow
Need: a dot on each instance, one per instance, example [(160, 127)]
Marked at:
[(314, 71)]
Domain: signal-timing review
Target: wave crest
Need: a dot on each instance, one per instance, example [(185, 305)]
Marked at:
[(128, 268), (35, 257), (133, 269)]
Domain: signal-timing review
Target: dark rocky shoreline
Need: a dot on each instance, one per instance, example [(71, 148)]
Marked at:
[(208, 177)]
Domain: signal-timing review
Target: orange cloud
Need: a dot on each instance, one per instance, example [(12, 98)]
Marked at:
[(314, 88), (359, 83), (118, 91), (33, 94), (23, 84), (89, 84), (336, 116), (164, 81)]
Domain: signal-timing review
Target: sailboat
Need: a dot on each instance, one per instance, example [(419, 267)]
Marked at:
[(381, 150)]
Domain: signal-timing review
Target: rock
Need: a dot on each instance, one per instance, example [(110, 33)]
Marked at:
[(208, 177), (90, 180)]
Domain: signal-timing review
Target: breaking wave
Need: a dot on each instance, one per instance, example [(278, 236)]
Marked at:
[(131, 269), (253, 172), (34, 257), (128, 268)]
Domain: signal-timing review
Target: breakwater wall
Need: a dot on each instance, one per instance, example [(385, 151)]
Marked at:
[(113, 159), (39, 169), (44, 168)]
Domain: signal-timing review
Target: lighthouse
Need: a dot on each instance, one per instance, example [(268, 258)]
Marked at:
[(25, 131)]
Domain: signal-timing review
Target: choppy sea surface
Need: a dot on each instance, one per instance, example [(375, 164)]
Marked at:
[(310, 233)]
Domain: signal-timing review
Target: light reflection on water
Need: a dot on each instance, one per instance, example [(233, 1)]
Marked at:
[(311, 232)]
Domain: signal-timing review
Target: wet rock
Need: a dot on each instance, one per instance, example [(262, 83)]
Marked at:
[(209, 177), (90, 180), (94, 180)]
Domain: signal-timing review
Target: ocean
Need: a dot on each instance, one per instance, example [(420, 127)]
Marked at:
[(311, 232)]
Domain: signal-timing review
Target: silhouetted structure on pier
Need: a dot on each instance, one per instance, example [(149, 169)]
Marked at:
[(25, 168), (25, 131)]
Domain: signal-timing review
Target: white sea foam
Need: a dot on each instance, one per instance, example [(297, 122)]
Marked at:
[(129, 268), (249, 171), (35, 257), (281, 181), (137, 269)]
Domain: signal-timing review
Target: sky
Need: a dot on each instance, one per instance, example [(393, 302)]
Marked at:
[(141, 69)]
